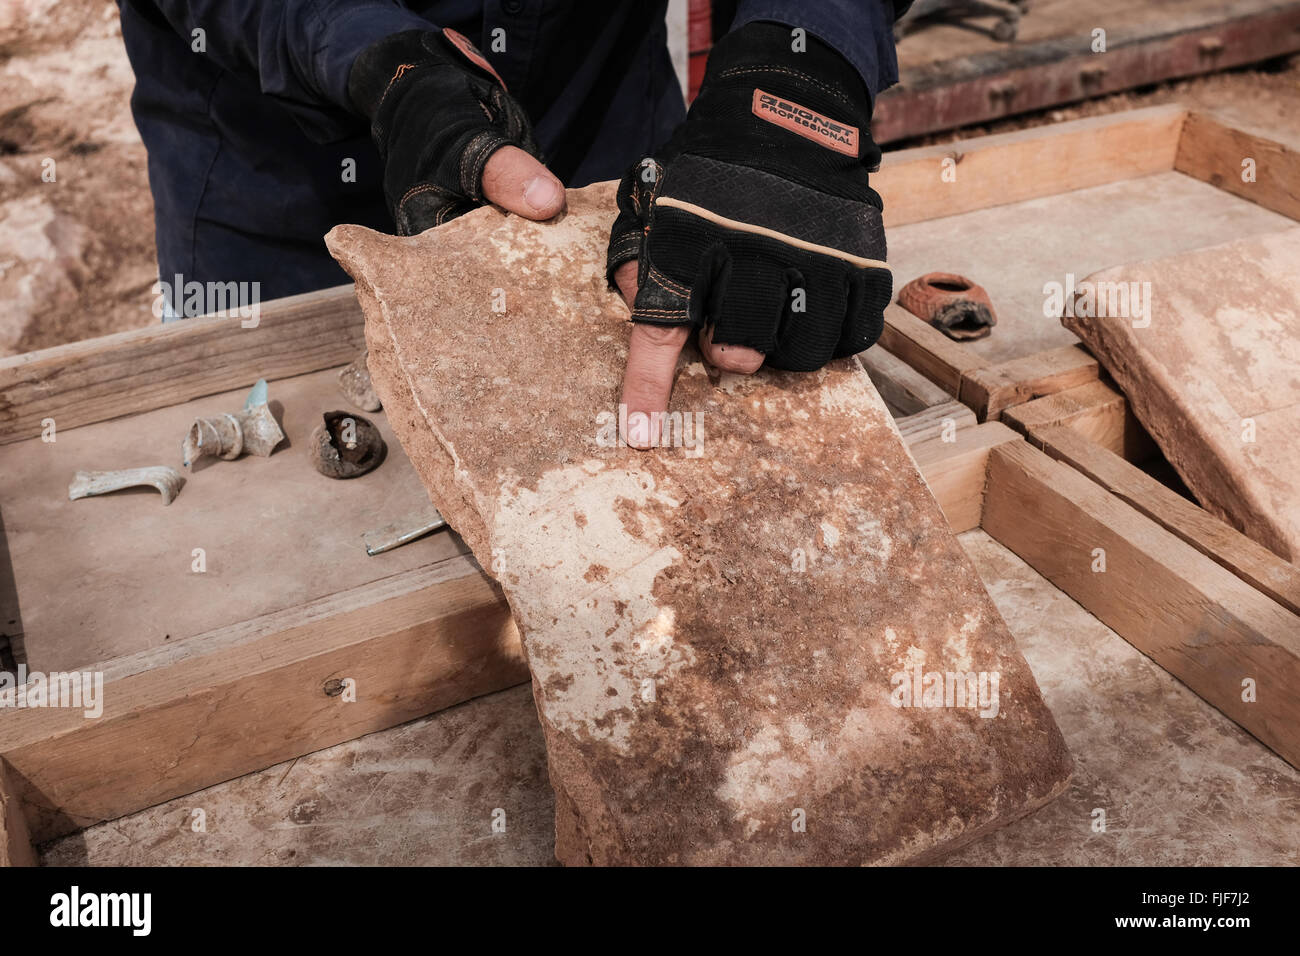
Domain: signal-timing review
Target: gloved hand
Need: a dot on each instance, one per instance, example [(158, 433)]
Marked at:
[(755, 223), (450, 136)]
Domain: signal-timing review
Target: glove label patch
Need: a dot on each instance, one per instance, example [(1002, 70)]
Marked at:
[(471, 53), (804, 122)]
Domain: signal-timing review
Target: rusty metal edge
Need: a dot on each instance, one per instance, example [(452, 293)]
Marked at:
[(1062, 70)]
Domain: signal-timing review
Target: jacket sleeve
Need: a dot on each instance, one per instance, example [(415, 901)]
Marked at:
[(297, 51), (861, 30)]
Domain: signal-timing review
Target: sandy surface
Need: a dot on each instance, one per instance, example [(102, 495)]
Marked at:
[(76, 254)]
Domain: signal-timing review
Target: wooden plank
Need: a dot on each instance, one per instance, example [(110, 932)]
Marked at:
[(172, 730), (901, 386), (1203, 624), (150, 368), (1214, 151), (991, 389), (926, 349), (1222, 543), (935, 421), (1096, 411), (955, 470), (930, 182), (15, 842)]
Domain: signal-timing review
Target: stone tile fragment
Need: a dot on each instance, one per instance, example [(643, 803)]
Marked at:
[(1206, 346), (718, 632)]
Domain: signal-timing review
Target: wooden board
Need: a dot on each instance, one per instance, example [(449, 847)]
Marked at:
[(275, 534), (991, 389), (954, 469), (1228, 547), (15, 842), (1096, 412), (937, 421), (934, 182), (1199, 621), (1212, 374), (144, 369), (905, 390), (1249, 164), (167, 731)]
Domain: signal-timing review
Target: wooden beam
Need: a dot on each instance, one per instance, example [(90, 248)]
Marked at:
[(1232, 645), (931, 182), (901, 386), (15, 842), (1215, 152), (1226, 546), (162, 365), (955, 470), (992, 389), (1097, 411), (926, 349), (934, 421), (202, 719)]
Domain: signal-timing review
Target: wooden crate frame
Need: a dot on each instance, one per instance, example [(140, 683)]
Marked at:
[(223, 704), (1179, 563)]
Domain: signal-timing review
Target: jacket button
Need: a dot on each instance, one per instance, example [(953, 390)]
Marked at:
[(512, 7)]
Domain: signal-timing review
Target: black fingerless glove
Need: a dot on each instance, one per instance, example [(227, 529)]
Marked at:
[(757, 218), (437, 112)]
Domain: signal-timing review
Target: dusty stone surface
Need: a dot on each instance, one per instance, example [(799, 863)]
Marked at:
[(712, 632), (1215, 376)]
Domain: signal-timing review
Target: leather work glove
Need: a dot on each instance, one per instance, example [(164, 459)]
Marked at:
[(450, 136), (755, 223)]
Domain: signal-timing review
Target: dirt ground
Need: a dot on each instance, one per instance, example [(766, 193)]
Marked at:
[(76, 253)]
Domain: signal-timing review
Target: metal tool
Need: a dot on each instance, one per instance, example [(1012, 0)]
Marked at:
[(403, 531)]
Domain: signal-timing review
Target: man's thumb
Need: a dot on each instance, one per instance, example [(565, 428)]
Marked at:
[(518, 183)]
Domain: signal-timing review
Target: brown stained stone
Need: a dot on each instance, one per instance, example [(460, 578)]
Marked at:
[(1223, 346), (674, 571)]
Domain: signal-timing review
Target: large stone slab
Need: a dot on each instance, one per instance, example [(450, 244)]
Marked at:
[(1213, 372), (714, 633)]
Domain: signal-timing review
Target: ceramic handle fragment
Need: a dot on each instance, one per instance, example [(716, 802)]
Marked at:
[(167, 480)]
